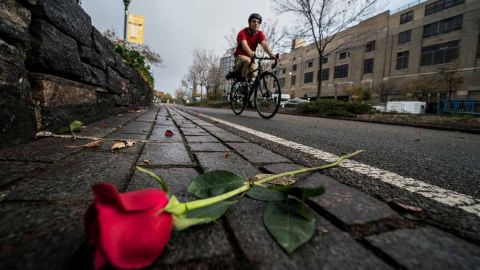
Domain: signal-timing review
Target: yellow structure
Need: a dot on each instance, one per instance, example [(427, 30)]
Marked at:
[(135, 28)]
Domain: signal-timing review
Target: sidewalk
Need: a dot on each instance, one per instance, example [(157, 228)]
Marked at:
[(45, 189)]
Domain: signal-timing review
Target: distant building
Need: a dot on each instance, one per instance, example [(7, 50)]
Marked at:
[(227, 63), (407, 45)]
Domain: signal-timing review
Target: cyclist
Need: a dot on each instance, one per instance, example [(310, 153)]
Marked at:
[(247, 42)]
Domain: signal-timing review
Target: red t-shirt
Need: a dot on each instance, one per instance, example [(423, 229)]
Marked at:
[(252, 40)]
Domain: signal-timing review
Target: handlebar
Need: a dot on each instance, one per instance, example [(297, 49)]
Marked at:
[(254, 57)]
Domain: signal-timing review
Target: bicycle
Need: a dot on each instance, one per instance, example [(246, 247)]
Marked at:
[(265, 88)]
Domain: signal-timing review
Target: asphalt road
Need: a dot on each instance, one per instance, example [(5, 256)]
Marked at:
[(450, 160)]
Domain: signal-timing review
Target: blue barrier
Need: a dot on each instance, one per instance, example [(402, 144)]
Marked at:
[(459, 107)]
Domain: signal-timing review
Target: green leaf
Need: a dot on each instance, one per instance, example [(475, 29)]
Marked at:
[(76, 126), (156, 177), (265, 194), (214, 183), (290, 223), (201, 216), (299, 192)]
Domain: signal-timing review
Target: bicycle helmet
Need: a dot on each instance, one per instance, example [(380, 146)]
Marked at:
[(255, 16)]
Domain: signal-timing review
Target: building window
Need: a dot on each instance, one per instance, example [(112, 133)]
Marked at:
[(368, 66), (342, 55), (325, 60), (406, 17), (402, 60), (341, 71), (442, 27), (441, 53), (325, 74), (370, 47), (309, 63), (441, 5), (294, 80), (404, 37), (308, 78), (294, 67), (281, 81)]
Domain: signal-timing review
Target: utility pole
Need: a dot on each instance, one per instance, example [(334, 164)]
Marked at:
[(126, 3)]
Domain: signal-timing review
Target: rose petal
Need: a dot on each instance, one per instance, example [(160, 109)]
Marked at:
[(130, 201), (168, 133), (132, 239)]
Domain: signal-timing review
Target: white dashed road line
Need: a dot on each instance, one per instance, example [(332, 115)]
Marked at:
[(441, 195)]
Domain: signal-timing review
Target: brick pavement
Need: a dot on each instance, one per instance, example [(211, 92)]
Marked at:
[(45, 189)]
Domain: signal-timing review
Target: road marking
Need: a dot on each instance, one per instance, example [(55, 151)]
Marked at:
[(441, 195)]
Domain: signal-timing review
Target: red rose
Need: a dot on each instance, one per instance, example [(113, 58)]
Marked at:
[(128, 230)]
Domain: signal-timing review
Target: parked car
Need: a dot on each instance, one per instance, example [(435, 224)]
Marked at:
[(292, 103)]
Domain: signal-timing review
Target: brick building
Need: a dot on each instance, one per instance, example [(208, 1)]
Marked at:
[(409, 45)]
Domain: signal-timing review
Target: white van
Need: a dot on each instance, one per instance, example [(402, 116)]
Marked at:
[(413, 107)]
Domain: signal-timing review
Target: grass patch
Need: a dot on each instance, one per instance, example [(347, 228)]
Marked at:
[(210, 103), (333, 107)]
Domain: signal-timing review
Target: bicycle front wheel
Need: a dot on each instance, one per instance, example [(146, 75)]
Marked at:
[(267, 95), (238, 100)]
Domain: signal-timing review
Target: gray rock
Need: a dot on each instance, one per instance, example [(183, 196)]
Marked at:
[(14, 21), (53, 50), (94, 75), (427, 248), (116, 83), (92, 57), (67, 16), (17, 123), (104, 47)]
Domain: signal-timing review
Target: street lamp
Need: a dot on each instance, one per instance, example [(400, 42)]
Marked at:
[(126, 3)]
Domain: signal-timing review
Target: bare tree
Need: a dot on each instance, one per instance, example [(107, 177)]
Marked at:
[(385, 89), (203, 62), (321, 21), (452, 78)]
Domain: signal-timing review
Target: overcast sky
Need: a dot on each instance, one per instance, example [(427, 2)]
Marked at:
[(174, 28)]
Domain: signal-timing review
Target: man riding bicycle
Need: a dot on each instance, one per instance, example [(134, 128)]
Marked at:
[(247, 42)]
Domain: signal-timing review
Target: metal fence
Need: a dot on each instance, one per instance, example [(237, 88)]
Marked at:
[(459, 107)]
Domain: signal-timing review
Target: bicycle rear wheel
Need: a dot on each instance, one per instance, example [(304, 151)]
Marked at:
[(238, 98), (267, 95)]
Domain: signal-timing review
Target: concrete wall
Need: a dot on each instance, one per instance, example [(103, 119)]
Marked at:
[(55, 67)]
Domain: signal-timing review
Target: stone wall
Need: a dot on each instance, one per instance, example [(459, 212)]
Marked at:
[(55, 67)]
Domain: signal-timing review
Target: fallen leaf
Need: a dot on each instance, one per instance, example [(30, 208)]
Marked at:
[(226, 154), (321, 231), (92, 144), (406, 207), (284, 181), (146, 161), (168, 133), (120, 114), (122, 144)]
